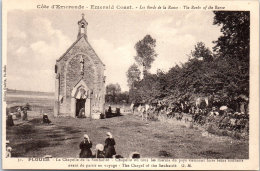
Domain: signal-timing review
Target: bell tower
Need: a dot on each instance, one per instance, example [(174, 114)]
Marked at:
[(82, 27)]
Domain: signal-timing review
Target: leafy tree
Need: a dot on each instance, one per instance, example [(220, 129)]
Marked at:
[(133, 75), (145, 52), (234, 43), (112, 90), (201, 51), (123, 97), (233, 47), (222, 76)]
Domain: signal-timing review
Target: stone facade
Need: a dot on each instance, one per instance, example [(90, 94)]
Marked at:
[(80, 80)]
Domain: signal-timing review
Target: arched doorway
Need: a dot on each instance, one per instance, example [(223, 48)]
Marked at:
[(80, 104), (80, 99)]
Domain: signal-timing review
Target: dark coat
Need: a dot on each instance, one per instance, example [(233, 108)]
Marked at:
[(85, 149), (100, 154), (45, 119), (109, 147), (9, 121), (25, 114)]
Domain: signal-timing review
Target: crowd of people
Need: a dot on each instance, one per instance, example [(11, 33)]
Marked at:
[(224, 117), (19, 112), (200, 113)]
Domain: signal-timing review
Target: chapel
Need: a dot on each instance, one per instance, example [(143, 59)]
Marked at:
[(80, 80)]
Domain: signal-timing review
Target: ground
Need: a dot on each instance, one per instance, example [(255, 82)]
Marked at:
[(152, 139)]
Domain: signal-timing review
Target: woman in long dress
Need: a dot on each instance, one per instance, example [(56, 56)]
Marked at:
[(85, 147), (109, 146), (10, 121)]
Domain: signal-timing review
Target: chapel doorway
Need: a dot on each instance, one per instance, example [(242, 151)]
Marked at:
[(80, 103)]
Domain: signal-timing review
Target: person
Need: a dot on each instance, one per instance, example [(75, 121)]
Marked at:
[(109, 112), (82, 113), (8, 149), (8, 152), (85, 147), (134, 155), (25, 114), (45, 119), (10, 121), (109, 146), (109, 109), (19, 112), (100, 151)]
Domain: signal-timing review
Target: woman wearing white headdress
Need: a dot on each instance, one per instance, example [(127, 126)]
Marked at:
[(100, 151), (109, 146), (85, 147), (8, 152)]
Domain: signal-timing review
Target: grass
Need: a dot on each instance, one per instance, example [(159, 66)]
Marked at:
[(152, 139), (131, 134)]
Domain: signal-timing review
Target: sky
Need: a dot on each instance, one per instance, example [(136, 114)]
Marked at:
[(36, 39)]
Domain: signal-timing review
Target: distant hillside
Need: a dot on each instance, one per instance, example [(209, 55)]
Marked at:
[(23, 92)]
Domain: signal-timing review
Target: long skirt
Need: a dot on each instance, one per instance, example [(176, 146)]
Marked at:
[(85, 153)]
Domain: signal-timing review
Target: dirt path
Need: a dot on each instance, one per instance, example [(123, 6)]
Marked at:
[(151, 139)]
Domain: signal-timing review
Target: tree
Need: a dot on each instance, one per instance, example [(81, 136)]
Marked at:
[(201, 51), (234, 43), (222, 76), (123, 97), (133, 75), (145, 53), (233, 47), (112, 90)]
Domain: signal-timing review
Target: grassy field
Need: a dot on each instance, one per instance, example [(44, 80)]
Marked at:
[(151, 139)]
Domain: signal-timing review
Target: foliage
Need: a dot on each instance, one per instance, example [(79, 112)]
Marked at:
[(222, 76), (234, 43), (133, 75), (114, 94), (113, 89), (145, 52), (201, 51)]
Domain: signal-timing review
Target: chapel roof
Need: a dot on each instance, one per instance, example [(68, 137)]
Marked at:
[(84, 37)]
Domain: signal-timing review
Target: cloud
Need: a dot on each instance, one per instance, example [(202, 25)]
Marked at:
[(38, 40), (176, 37), (117, 60), (16, 33), (35, 59), (21, 50), (30, 80)]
